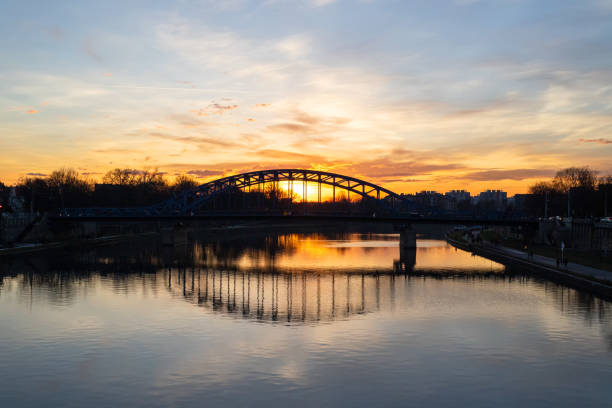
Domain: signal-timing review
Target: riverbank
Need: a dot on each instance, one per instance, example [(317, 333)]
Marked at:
[(582, 277), (74, 243), (235, 230)]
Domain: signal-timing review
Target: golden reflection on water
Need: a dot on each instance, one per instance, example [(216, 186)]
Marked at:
[(192, 315), (298, 277), (305, 297), (290, 278), (376, 253)]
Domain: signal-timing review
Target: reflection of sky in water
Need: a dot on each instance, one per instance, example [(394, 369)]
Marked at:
[(92, 333), (358, 252)]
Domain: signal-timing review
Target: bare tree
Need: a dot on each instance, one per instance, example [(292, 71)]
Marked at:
[(151, 178), (69, 186), (121, 177), (184, 182), (542, 188), (573, 177)]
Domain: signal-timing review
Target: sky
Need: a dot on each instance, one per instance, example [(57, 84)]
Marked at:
[(411, 95)]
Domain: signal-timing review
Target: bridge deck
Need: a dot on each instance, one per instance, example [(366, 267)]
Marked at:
[(312, 217)]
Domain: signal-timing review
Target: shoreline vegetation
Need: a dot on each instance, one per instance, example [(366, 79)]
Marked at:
[(572, 192)]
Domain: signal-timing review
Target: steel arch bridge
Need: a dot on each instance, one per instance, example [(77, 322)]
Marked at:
[(190, 202)]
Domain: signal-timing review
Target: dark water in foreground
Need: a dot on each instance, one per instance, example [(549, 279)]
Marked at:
[(299, 319)]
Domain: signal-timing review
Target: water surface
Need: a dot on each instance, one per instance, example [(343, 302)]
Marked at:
[(270, 319)]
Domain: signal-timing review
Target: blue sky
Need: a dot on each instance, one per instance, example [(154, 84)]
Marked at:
[(410, 94)]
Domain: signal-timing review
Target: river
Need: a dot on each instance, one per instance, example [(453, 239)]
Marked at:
[(248, 318)]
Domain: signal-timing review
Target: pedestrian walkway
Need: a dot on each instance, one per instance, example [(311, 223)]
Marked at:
[(573, 268)]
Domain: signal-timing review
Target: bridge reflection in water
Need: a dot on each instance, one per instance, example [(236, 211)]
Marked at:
[(281, 317), (313, 279), (297, 278), (304, 297)]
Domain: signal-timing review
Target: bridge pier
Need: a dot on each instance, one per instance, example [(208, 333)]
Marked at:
[(407, 237)]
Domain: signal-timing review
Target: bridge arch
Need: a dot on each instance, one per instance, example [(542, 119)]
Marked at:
[(191, 200)]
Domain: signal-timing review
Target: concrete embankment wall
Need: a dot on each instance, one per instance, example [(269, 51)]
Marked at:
[(565, 277), (39, 234), (23, 227)]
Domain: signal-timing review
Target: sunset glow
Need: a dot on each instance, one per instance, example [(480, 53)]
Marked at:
[(409, 95)]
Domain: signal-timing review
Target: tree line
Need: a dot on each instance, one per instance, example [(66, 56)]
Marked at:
[(577, 191), (574, 191), (66, 187)]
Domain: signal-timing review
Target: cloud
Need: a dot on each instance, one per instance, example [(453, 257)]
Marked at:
[(108, 74), (55, 32), (294, 46), (262, 105), (214, 109), (31, 111), (115, 150), (220, 109), (174, 88), (58, 91), (192, 139), (200, 112), (177, 154), (284, 155), (204, 173), (36, 174), (304, 123), (385, 168), (514, 174), (308, 119), (402, 180), (599, 141), (251, 120), (321, 3), (227, 53), (311, 141), (290, 128), (90, 49)]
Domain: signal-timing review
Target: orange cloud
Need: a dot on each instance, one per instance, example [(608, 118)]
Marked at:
[(214, 108), (251, 120), (202, 141), (599, 141), (107, 74), (204, 173), (514, 174), (290, 128), (262, 105), (220, 109), (31, 111), (304, 123), (200, 112), (282, 155)]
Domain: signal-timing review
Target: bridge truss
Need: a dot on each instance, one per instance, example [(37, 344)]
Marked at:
[(190, 202)]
